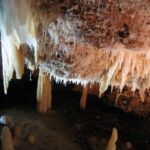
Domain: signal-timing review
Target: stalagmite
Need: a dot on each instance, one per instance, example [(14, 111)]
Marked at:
[(84, 97), (6, 138), (112, 141), (44, 91), (31, 139)]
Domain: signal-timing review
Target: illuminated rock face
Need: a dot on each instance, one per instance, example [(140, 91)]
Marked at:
[(80, 41)]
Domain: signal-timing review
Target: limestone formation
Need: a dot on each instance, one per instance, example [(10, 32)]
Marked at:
[(112, 141), (7, 139), (79, 41)]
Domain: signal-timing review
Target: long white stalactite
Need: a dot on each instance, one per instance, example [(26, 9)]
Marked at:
[(16, 27)]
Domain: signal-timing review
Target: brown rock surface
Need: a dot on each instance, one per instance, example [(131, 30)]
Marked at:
[(84, 42)]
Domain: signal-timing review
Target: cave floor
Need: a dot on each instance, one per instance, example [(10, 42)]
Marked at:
[(49, 130), (67, 127)]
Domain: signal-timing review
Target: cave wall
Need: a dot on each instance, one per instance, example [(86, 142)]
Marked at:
[(82, 42)]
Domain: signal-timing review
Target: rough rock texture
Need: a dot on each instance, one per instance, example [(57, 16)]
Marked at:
[(99, 41), (129, 101), (80, 41)]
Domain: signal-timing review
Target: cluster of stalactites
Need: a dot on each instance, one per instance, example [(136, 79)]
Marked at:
[(16, 26), (127, 68), (117, 67), (120, 67)]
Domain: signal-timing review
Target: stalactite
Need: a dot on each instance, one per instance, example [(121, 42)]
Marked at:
[(19, 63), (10, 46), (84, 97), (106, 78), (44, 93), (86, 54), (16, 26)]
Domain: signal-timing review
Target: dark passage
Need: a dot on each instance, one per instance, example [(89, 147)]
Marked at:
[(89, 129)]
